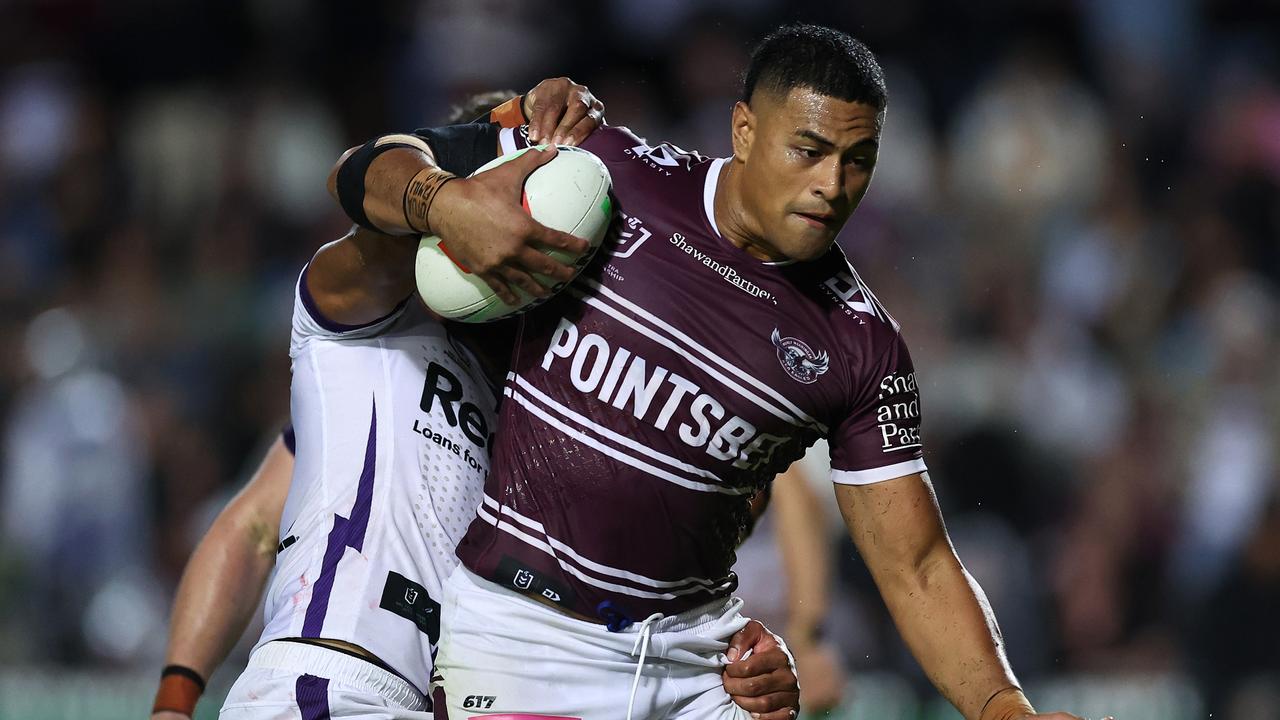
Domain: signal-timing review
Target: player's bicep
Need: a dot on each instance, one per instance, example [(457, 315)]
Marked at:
[(358, 279), (260, 503), (896, 524)]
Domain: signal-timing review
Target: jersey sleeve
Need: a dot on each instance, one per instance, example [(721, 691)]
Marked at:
[(310, 323), (462, 149), (880, 438)]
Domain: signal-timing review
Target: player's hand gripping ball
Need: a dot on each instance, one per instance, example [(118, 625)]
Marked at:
[(570, 193)]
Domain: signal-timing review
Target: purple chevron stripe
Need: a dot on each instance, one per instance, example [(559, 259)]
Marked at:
[(346, 533)]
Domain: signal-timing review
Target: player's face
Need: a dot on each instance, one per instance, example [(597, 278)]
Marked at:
[(808, 163)]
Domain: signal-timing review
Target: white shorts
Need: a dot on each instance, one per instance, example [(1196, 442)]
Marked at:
[(503, 653), (296, 681)]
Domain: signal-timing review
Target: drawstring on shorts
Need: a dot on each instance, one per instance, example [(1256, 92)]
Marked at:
[(642, 646)]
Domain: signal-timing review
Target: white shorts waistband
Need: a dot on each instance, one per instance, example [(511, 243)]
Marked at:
[(339, 667), (716, 620)]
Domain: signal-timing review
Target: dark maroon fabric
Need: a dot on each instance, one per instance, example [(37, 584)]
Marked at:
[(440, 708), (676, 344)]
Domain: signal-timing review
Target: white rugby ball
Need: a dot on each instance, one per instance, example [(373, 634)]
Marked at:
[(570, 194)]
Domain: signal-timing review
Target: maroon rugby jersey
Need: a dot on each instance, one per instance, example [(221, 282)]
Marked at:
[(671, 381)]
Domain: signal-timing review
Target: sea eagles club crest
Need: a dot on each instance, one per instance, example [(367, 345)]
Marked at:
[(798, 359)]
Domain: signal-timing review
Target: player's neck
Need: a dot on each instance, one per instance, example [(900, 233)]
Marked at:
[(734, 222)]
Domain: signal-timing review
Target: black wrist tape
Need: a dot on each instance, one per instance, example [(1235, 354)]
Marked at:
[(351, 179)]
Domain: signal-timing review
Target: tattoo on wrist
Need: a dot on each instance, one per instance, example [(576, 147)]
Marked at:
[(419, 194)]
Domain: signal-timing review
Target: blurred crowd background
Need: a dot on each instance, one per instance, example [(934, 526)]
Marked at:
[(1076, 218)]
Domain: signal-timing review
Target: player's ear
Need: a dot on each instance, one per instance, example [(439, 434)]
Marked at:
[(743, 130)]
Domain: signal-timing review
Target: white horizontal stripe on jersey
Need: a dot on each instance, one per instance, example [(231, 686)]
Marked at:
[(597, 302), (524, 537), (484, 514), (681, 336), (608, 434), (616, 453), (592, 565), (880, 474)]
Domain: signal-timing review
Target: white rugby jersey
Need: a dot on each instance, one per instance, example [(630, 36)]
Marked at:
[(393, 424)]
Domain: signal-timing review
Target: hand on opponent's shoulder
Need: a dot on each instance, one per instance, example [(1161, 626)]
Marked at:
[(561, 112)]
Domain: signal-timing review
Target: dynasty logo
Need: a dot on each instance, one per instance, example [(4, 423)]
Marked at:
[(662, 158)]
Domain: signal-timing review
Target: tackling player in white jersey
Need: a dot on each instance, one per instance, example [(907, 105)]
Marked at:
[(393, 422)]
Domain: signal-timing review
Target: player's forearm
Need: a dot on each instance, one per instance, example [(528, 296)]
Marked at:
[(399, 189), (941, 612), (222, 583), (220, 589), (945, 619)]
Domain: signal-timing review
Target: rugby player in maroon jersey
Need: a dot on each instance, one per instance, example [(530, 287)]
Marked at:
[(222, 583), (720, 335)]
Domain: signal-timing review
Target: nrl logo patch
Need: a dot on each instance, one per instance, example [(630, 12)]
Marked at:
[(798, 359)]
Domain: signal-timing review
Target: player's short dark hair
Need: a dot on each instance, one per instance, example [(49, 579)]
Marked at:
[(828, 61)]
